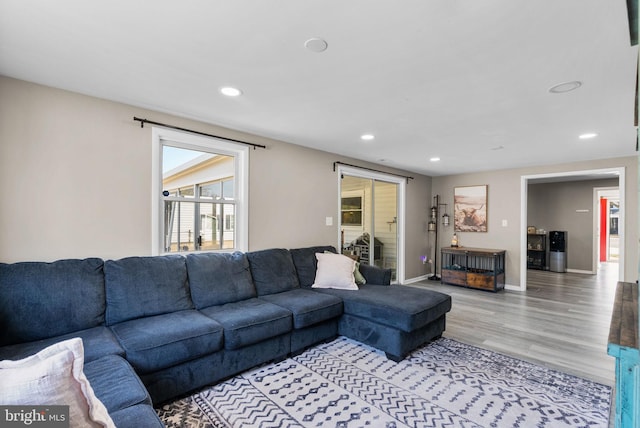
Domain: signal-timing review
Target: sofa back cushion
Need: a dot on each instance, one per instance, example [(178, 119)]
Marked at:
[(306, 263), (273, 271), (145, 286), (219, 278), (41, 300)]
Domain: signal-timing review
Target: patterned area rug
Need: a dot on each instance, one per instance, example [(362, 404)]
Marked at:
[(444, 384)]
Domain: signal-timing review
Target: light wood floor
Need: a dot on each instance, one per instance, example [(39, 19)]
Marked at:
[(561, 321)]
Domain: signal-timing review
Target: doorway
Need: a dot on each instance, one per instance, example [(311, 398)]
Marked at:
[(599, 174), (371, 213), (608, 224)]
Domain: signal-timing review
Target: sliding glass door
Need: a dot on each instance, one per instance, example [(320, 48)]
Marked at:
[(385, 222), (369, 220)]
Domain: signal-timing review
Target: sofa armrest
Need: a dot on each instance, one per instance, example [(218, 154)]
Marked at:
[(375, 275)]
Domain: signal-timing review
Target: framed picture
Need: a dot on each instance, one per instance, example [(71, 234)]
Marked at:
[(470, 208)]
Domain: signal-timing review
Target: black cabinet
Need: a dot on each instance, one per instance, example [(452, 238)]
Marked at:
[(537, 251)]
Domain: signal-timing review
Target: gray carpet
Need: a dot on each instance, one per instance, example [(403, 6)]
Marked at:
[(443, 384)]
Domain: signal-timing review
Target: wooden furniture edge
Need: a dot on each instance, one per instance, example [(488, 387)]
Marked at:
[(489, 251), (623, 330)]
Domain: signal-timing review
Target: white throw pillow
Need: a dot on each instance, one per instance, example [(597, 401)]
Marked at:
[(335, 271), (54, 376)]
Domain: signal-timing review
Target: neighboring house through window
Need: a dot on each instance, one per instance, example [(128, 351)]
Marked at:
[(199, 193)]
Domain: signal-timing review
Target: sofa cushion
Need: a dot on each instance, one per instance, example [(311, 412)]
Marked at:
[(115, 383), (402, 307), (375, 275), (34, 294), (161, 341), (219, 278), (306, 263), (145, 286), (140, 415), (97, 341), (250, 321), (273, 271), (335, 271), (308, 308), (54, 375), (357, 275)]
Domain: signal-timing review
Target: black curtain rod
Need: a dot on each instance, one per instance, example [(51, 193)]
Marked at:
[(143, 121), (406, 177)]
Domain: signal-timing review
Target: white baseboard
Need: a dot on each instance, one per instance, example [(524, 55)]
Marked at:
[(416, 279), (588, 272)]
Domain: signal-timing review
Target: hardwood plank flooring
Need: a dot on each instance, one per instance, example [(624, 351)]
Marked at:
[(561, 321)]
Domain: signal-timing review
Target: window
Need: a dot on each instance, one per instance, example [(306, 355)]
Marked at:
[(199, 193), (191, 214), (351, 211)]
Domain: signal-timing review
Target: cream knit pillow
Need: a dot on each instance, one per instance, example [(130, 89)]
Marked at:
[(335, 271), (54, 376)]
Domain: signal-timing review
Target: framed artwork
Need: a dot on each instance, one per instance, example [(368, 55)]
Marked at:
[(470, 208)]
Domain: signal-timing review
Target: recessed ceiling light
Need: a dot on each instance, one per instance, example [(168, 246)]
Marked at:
[(367, 137), (435, 159), (565, 87), (497, 148), (230, 91), (588, 136), (316, 44)]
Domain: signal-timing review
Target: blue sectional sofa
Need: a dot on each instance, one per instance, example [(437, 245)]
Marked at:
[(156, 328)]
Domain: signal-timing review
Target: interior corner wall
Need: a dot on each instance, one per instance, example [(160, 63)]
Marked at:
[(418, 241), (75, 174), (504, 200), (568, 206)]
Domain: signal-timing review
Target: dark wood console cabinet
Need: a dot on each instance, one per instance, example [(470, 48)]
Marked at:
[(480, 268)]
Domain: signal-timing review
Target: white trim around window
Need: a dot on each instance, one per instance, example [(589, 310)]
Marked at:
[(161, 136)]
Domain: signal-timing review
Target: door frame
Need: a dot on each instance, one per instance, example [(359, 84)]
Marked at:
[(401, 207), (597, 191), (524, 190)]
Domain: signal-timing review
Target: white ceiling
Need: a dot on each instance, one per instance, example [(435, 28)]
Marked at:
[(448, 78)]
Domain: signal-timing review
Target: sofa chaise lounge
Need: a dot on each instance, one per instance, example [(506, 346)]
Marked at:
[(156, 328)]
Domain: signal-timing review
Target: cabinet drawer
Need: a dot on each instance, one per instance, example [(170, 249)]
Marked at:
[(454, 277), (485, 282), (480, 280)]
